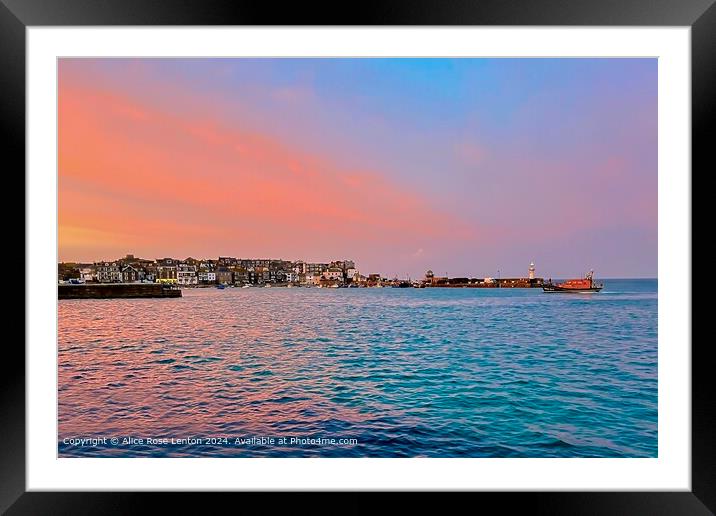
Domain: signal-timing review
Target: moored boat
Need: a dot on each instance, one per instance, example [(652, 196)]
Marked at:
[(402, 284), (575, 286)]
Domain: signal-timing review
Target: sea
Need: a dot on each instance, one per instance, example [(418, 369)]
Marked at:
[(369, 372)]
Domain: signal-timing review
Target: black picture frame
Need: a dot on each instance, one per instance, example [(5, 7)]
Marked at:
[(17, 15)]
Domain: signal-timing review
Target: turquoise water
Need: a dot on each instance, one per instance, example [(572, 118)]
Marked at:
[(393, 372)]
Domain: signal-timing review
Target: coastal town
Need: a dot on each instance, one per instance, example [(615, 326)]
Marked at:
[(239, 272)]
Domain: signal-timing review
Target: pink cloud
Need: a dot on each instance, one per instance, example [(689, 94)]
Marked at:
[(175, 181)]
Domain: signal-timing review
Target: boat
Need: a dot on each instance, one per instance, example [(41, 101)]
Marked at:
[(221, 286), (246, 286), (575, 286)]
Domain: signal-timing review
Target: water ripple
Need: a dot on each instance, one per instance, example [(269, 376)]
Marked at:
[(405, 372)]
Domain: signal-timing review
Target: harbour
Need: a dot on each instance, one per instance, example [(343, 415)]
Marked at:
[(226, 272)]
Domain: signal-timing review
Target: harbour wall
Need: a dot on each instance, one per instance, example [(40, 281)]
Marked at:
[(493, 283), (115, 290)]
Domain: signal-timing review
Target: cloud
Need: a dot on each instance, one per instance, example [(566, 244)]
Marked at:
[(178, 181)]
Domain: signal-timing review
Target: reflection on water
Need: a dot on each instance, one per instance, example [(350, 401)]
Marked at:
[(405, 372)]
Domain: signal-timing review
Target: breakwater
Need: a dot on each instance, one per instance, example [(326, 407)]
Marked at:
[(485, 283), (116, 290)]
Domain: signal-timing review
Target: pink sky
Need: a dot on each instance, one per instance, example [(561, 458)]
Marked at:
[(158, 161)]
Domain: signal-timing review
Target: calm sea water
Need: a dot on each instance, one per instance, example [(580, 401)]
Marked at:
[(402, 372)]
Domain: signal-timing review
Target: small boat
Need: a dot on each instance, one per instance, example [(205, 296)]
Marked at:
[(221, 286), (575, 286), (246, 286)]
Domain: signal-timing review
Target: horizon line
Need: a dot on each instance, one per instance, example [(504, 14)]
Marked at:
[(306, 261)]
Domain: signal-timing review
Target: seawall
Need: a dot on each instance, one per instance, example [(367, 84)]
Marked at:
[(115, 290), (494, 283)]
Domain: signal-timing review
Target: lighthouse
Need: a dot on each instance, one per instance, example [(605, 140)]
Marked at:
[(531, 275)]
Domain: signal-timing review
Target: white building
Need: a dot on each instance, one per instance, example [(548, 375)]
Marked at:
[(87, 274), (186, 274), (334, 273), (130, 274), (532, 271), (299, 267), (108, 272), (207, 277), (315, 268)]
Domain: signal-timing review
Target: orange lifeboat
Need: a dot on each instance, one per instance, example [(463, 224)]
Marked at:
[(582, 285)]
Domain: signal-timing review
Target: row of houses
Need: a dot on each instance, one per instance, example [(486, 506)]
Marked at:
[(224, 270)]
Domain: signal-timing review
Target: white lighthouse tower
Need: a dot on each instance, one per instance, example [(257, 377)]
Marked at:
[(532, 271)]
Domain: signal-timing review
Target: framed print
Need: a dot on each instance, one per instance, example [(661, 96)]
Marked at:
[(435, 250)]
